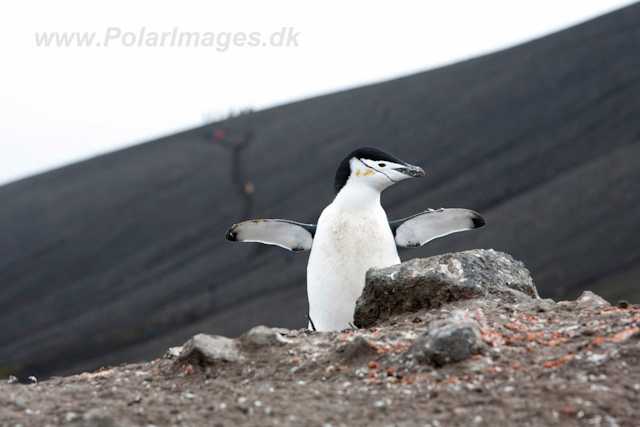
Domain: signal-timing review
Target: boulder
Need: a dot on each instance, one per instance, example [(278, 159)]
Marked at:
[(432, 282)]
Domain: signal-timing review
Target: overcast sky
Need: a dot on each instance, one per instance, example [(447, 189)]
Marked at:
[(138, 80)]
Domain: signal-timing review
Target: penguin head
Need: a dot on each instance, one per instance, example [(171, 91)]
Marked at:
[(374, 168)]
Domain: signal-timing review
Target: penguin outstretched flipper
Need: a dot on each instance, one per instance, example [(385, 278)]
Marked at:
[(421, 228), (290, 235)]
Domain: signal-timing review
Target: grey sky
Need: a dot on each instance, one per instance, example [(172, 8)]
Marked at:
[(64, 104)]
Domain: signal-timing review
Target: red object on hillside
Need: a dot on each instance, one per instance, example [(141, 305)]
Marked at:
[(218, 134)]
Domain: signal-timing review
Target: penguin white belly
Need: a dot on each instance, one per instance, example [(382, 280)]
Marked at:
[(347, 243)]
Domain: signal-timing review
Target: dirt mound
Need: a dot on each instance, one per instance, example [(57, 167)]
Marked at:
[(485, 360), (121, 256)]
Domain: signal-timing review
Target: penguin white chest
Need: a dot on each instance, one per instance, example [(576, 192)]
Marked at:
[(347, 243)]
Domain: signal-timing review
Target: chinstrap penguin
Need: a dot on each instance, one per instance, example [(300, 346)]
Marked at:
[(353, 234)]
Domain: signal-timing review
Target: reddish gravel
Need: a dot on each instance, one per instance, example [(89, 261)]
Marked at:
[(543, 363)]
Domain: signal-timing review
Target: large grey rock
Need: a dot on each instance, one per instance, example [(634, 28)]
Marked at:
[(431, 282), (450, 340), (203, 348)]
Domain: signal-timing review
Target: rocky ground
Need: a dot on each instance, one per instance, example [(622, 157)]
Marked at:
[(460, 339)]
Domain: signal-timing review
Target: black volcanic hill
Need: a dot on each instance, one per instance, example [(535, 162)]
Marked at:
[(121, 256)]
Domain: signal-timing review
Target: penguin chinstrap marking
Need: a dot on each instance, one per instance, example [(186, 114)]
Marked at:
[(353, 234)]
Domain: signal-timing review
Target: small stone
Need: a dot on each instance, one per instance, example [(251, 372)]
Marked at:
[(135, 401), (204, 348), (624, 304), (446, 341), (382, 403), (590, 301), (21, 401), (173, 352), (23, 397), (98, 418), (352, 352), (261, 336)]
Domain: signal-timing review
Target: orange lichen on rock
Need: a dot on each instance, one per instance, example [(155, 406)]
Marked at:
[(623, 335), (408, 380), (530, 318), (514, 367), (555, 363), (382, 349), (450, 380), (346, 336), (492, 337), (491, 370), (398, 347), (555, 339), (539, 338), (314, 356), (617, 337), (517, 326)]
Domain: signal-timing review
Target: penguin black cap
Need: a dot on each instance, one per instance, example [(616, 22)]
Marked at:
[(371, 153)]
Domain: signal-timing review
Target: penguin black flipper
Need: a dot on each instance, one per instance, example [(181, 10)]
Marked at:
[(421, 228), (290, 235)]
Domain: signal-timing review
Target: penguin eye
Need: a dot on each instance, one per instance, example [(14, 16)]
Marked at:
[(382, 165)]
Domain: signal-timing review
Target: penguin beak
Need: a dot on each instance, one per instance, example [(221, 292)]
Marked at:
[(412, 171)]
